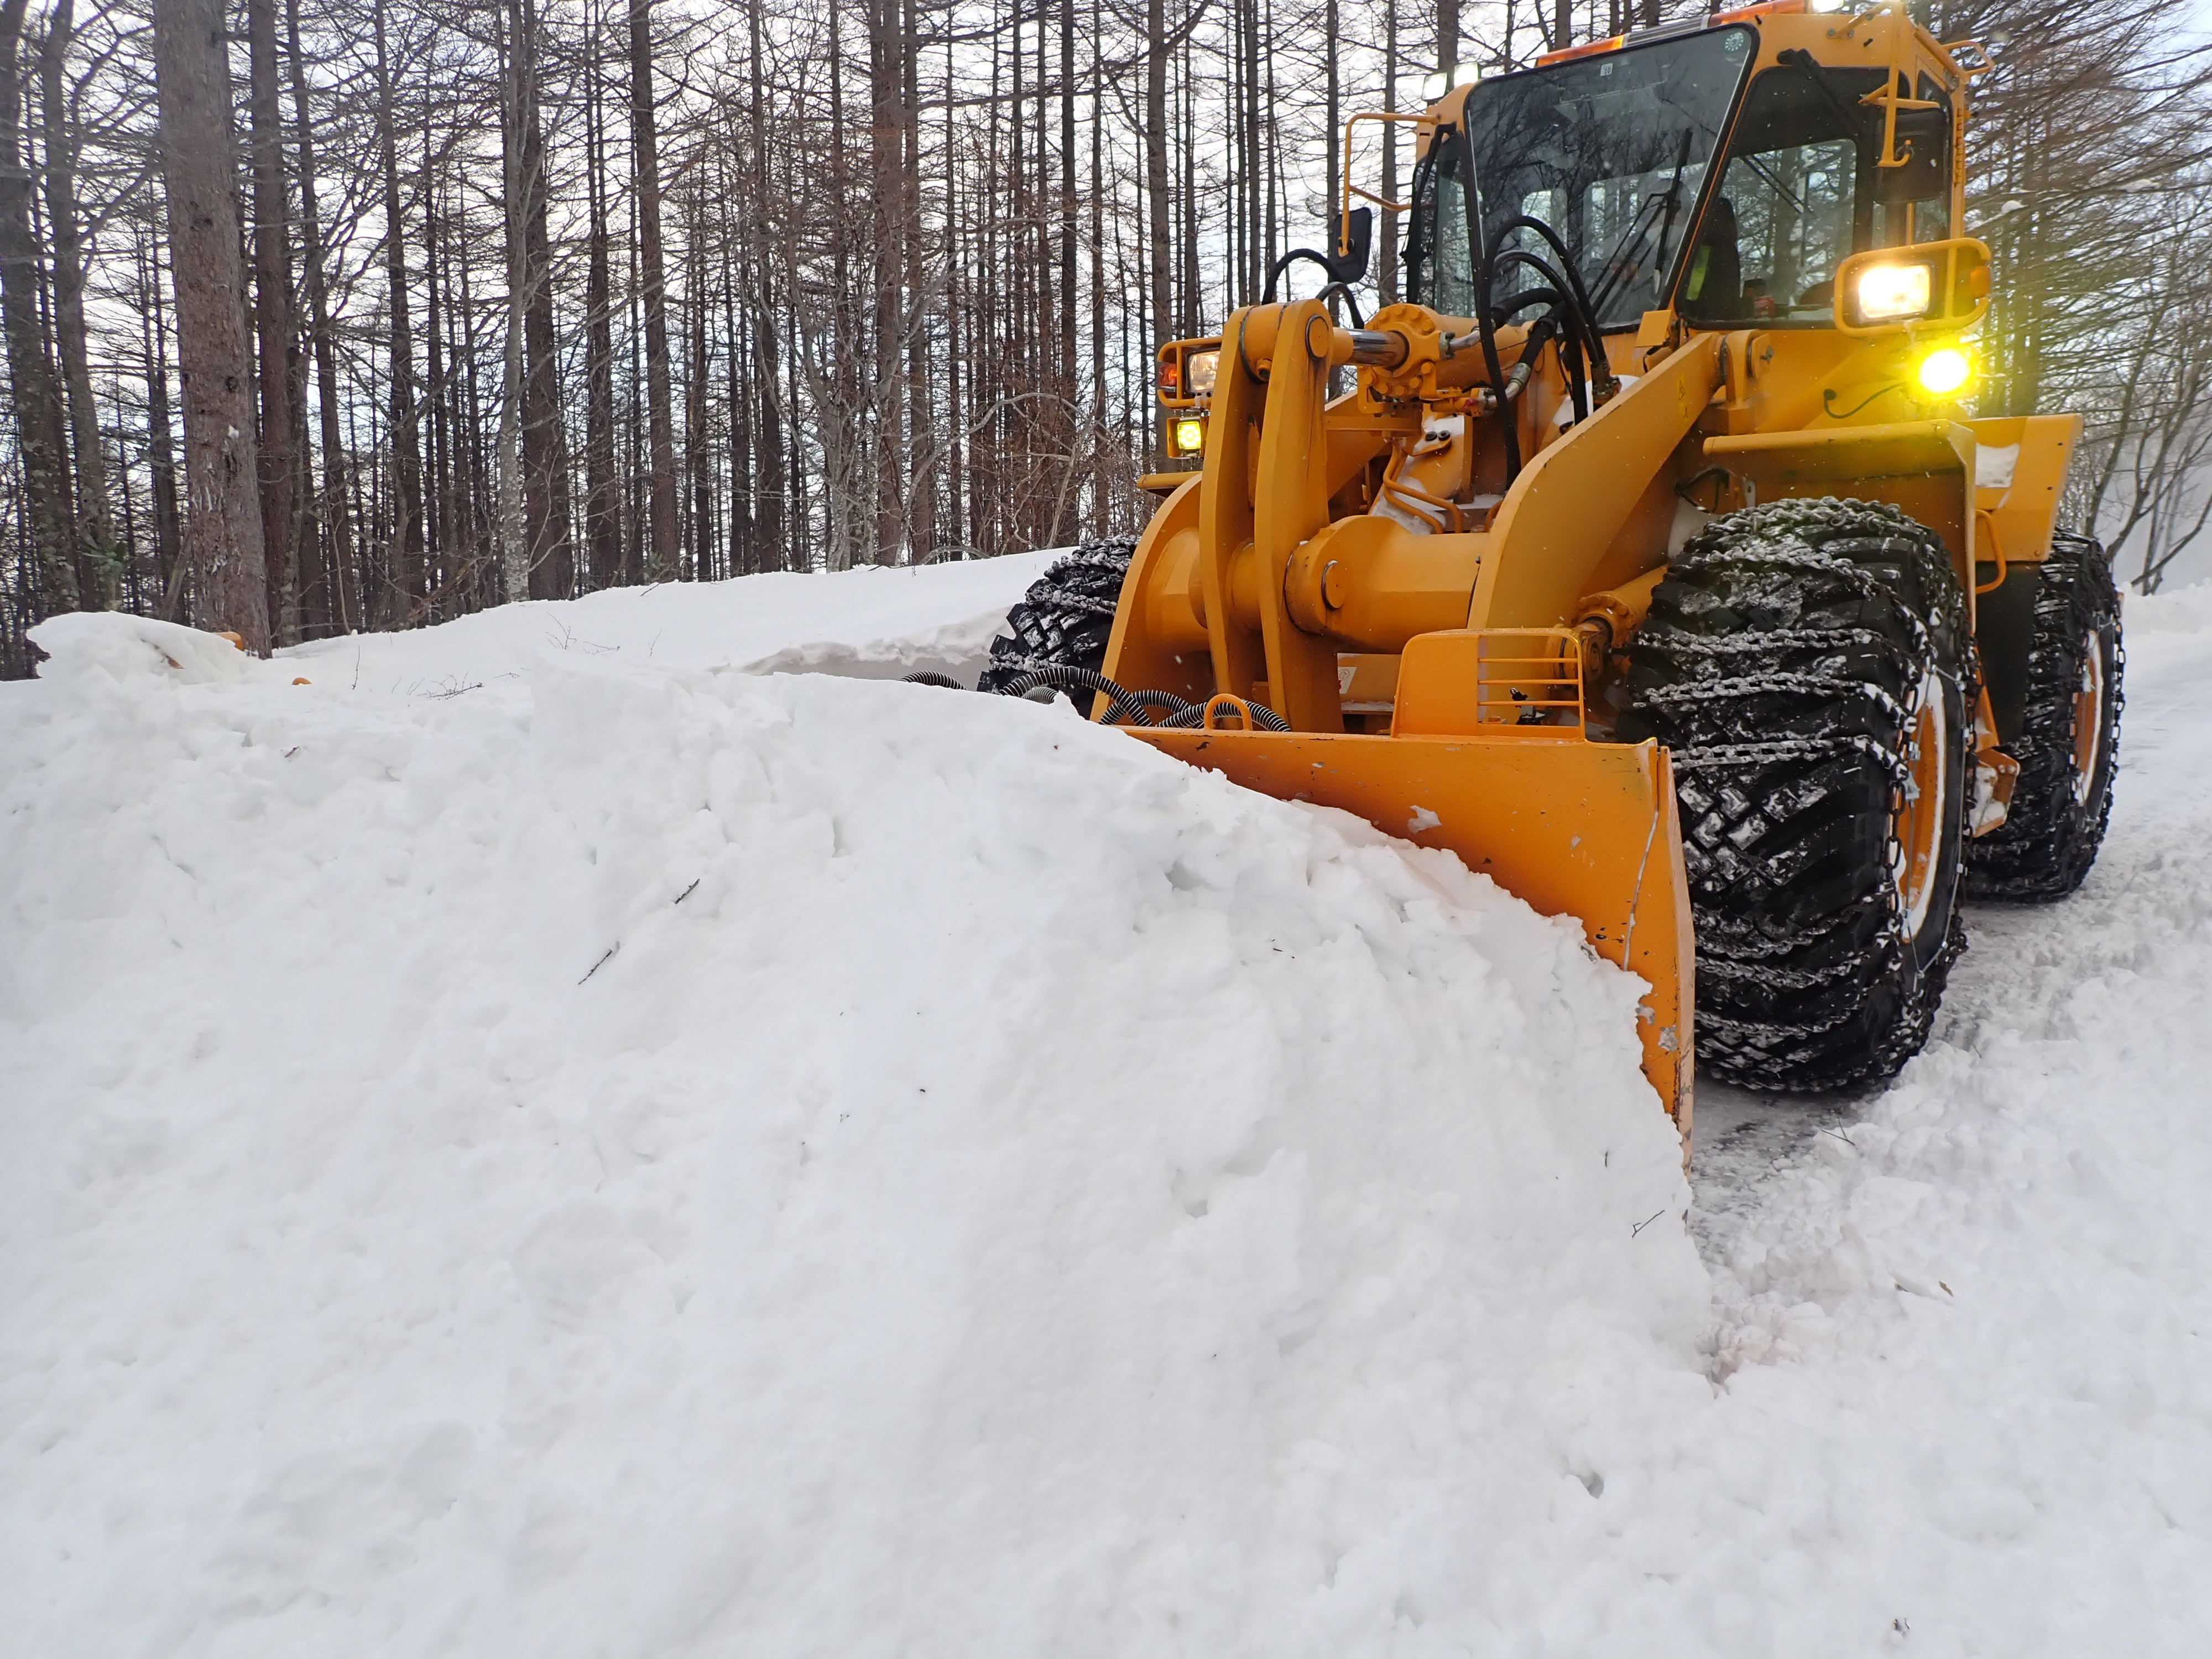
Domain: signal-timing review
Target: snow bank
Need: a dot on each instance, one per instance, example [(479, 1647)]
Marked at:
[(869, 623), (2185, 610), (639, 1160), (663, 1161)]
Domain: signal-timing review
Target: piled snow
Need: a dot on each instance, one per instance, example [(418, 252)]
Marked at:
[(2184, 611), (651, 1162), (641, 1160), (869, 624)]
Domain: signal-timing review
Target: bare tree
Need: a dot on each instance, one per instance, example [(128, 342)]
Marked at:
[(272, 315), (660, 444), (97, 568), (223, 540), (40, 432)]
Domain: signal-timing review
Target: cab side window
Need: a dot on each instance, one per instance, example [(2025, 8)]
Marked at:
[(1803, 188), (1440, 252)]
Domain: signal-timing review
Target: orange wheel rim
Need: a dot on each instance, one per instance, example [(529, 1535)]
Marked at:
[(1920, 814), (2089, 718)]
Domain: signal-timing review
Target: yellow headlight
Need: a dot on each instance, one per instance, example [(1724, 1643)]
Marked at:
[(1944, 370), (1186, 437), (1889, 293)]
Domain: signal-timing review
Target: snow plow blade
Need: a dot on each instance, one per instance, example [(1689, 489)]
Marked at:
[(1575, 828)]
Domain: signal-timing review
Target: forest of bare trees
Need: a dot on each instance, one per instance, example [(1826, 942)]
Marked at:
[(544, 296)]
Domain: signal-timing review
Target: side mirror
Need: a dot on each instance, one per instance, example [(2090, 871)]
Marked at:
[(1348, 263), (1889, 289), (1924, 136)]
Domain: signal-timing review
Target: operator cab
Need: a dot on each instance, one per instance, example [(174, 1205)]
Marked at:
[(1722, 173)]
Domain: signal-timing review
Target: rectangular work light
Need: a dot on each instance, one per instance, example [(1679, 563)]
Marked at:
[(1892, 292)]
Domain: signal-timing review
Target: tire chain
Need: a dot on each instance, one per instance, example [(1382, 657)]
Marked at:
[(1075, 588), (1711, 756), (1777, 542), (2056, 616), (1782, 681)]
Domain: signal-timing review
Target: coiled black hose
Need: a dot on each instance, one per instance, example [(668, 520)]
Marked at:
[(1262, 716), (1123, 704), (1166, 700), (1580, 341), (1067, 677)]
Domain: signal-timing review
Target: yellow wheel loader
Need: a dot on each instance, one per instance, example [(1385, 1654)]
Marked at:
[(1646, 557)]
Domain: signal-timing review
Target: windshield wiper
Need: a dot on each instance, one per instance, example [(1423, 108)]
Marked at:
[(1780, 189), (1674, 204)]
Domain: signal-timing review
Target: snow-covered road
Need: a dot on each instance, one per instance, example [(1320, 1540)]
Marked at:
[(539, 1144)]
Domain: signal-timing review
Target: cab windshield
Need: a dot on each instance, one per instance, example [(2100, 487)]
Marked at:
[(1611, 151)]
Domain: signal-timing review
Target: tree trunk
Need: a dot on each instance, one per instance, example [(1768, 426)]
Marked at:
[(1386, 277), (160, 443), (404, 569), (698, 460), (98, 574), (660, 435), (514, 534), (545, 437), (40, 434), (1332, 197), (887, 191), (335, 520), (602, 512), (1096, 435), (1066, 216), (272, 315), (223, 540), (445, 557), (1158, 225), (920, 461), (770, 494)]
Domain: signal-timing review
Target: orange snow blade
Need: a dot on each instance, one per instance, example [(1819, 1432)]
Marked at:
[(1575, 828)]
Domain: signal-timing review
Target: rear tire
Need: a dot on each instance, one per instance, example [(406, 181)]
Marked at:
[(2068, 736), (1067, 617), (1808, 666)]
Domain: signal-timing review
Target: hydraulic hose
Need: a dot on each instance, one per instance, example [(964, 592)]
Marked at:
[(1526, 297), (1585, 340), (1122, 704), (1067, 677), (1574, 275), (1166, 700), (1485, 330), (1262, 716)]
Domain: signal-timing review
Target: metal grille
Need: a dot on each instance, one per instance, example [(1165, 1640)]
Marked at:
[(1528, 678)]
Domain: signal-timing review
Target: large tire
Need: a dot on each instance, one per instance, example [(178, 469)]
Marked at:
[(2069, 733), (1067, 616), (1809, 667)]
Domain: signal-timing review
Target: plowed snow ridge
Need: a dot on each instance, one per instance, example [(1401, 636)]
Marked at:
[(532, 1147)]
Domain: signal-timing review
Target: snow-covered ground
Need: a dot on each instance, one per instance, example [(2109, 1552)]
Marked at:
[(537, 1143)]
